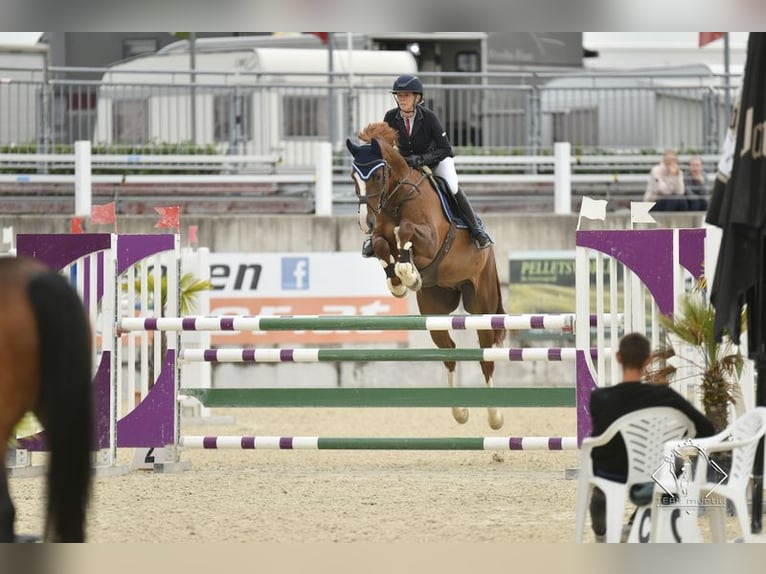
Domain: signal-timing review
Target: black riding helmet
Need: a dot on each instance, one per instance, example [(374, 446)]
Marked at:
[(408, 83)]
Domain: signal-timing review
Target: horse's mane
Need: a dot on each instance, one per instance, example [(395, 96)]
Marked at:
[(381, 131), (388, 139)]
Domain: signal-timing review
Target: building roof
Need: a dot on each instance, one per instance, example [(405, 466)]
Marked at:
[(251, 65)]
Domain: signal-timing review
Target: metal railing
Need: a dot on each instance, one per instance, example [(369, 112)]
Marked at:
[(248, 114)]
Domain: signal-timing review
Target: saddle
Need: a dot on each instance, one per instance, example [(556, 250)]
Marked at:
[(447, 200)]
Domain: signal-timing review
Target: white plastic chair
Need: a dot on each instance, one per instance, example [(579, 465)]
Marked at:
[(741, 439), (645, 432)]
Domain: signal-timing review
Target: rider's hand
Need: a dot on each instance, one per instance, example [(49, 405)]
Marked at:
[(414, 160)]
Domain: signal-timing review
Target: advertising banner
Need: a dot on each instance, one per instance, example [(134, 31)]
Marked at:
[(301, 284)]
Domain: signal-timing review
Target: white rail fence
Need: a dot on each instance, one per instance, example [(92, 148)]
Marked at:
[(559, 171)]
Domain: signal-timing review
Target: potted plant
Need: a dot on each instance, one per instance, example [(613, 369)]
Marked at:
[(189, 288), (717, 363)]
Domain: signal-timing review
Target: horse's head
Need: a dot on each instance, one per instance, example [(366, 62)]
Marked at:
[(377, 169)]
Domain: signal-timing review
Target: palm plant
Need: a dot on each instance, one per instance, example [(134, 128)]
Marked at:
[(190, 287), (718, 363)]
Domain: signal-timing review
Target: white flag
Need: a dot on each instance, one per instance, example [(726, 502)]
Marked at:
[(8, 235), (593, 208), (639, 212)]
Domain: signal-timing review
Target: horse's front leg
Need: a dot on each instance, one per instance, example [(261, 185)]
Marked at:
[(405, 268), (382, 251)]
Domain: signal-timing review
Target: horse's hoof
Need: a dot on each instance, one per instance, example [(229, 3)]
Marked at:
[(397, 290), (460, 415), (496, 420), (403, 272), (409, 275)]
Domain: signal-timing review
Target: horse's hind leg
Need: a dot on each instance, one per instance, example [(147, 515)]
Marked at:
[(11, 412), (486, 340), (7, 511), (487, 300), (440, 301), (443, 340)]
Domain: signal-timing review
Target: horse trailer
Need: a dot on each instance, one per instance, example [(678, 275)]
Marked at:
[(261, 101)]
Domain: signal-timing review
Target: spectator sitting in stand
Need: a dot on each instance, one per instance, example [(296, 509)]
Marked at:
[(666, 184), (695, 186)]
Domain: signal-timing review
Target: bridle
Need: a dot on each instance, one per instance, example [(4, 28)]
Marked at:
[(384, 194)]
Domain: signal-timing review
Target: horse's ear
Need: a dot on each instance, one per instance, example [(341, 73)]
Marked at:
[(376, 148), (354, 149)]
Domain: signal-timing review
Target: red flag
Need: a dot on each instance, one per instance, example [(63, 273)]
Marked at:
[(324, 36), (707, 37), (102, 214), (192, 235), (76, 225), (169, 217)]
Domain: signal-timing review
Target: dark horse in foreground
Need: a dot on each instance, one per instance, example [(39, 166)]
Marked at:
[(420, 249), (45, 367)]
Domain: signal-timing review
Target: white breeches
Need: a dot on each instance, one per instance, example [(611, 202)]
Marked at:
[(446, 169)]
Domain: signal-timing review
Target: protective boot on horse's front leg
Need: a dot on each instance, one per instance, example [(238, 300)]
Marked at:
[(482, 238), (395, 285), (367, 250), (405, 268)]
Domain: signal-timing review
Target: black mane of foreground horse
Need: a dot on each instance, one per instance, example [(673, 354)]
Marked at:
[(420, 250), (45, 367)]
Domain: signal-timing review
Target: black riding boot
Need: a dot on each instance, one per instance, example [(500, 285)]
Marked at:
[(367, 247), (482, 238)]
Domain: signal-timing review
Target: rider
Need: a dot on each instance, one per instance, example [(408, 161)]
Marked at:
[(423, 141)]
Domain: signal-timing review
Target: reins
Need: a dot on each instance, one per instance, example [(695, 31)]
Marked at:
[(412, 191)]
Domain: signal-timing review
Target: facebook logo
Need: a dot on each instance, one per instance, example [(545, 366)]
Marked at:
[(295, 273)]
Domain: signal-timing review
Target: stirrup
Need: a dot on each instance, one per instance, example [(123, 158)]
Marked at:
[(483, 240), (367, 248)]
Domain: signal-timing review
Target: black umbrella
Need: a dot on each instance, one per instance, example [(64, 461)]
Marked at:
[(738, 206)]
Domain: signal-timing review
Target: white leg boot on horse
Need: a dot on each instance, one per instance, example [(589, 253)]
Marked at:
[(367, 247), (395, 285), (405, 268)]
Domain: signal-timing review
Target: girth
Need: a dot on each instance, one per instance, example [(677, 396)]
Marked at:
[(429, 275)]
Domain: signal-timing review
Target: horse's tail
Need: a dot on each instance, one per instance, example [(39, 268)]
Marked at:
[(64, 402)]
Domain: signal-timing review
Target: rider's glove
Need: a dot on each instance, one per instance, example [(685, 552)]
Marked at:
[(414, 160)]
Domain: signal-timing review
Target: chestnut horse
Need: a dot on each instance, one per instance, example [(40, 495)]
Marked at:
[(45, 367), (420, 249)]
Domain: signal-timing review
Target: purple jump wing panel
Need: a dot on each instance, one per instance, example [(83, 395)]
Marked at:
[(646, 252)]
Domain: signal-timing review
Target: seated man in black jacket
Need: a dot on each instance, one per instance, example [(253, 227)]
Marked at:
[(607, 404)]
